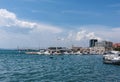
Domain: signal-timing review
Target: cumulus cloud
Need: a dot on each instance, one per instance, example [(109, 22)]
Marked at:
[(93, 36), (16, 32), (101, 32), (82, 35), (9, 19)]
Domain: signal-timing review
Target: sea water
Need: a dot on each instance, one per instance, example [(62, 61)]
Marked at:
[(16, 67)]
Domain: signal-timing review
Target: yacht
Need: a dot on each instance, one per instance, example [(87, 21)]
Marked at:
[(46, 53), (112, 57)]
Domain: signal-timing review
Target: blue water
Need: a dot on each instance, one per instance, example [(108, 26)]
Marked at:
[(15, 67)]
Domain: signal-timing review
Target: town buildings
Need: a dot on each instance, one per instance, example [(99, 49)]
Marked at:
[(97, 47), (116, 45), (106, 44)]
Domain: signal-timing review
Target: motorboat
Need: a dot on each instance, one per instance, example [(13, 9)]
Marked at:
[(112, 60), (46, 53), (66, 53), (78, 53), (112, 57), (36, 53)]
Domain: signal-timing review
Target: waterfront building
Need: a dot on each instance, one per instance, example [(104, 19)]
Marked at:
[(106, 44), (116, 45), (97, 50), (92, 42)]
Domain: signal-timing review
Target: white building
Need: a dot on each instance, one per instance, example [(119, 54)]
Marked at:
[(97, 50)]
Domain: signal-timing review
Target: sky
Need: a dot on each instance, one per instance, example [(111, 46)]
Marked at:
[(44, 23)]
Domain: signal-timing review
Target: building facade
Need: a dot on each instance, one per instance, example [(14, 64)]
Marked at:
[(92, 42), (97, 50), (116, 45), (106, 44)]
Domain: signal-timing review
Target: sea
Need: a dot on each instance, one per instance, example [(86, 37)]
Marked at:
[(19, 67)]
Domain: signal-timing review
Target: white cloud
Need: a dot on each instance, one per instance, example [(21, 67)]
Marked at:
[(93, 36), (82, 35), (15, 32), (102, 32), (9, 19), (86, 32), (79, 38)]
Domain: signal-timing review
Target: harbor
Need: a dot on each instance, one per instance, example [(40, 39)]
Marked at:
[(95, 48), (105, 49)]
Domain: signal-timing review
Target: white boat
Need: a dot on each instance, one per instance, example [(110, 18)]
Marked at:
[(78, 53), (39, 53), (36, 53), (66, 53), (46, 53), (112, 58)]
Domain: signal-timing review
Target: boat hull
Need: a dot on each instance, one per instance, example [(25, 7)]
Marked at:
[(112, 62)]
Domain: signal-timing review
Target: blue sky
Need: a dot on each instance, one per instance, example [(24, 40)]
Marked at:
[(37, 23)]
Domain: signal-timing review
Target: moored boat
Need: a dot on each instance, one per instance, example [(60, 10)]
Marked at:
[(36, 53), (112, 58)]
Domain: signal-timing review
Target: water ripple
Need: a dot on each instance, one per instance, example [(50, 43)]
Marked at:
[(64, 68)]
